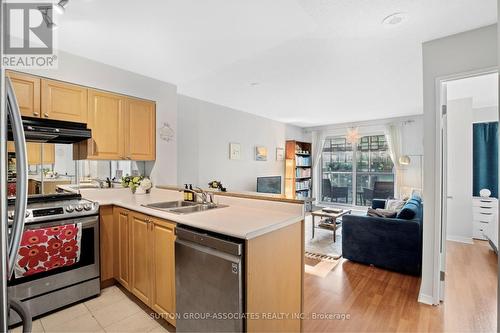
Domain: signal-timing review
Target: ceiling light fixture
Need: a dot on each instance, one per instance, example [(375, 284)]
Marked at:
[(395, 19), (60, 7)]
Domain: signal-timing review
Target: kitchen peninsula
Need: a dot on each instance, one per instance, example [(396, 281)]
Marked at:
[(271, 231)]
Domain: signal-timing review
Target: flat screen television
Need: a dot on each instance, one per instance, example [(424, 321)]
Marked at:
[(269, 184)]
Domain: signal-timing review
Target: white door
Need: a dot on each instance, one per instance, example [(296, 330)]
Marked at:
[(459, 119), (444, 192)]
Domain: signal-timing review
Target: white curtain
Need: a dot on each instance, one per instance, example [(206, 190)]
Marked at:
[(393, 136), (318, 141)]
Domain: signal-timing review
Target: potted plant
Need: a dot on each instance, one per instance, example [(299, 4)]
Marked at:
[(137, 184)]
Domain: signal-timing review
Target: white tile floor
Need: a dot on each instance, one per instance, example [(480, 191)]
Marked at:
[(112, 311)]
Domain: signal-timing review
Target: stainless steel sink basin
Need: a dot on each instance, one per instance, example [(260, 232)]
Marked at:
[(197, 208), (166, 205)]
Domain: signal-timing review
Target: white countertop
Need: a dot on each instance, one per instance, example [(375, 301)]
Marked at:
[(244, 218)]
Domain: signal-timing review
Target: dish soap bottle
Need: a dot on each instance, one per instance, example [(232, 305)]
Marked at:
[(191, 193), (186, 192)]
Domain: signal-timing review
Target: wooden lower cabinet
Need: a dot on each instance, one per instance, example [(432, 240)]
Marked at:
[(143, 257), (122, 246), (106, 241), (140, 256), (163, 268)]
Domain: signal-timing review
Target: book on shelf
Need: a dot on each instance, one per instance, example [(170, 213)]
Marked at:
[(303, 160), (302, 173), (303, 185)]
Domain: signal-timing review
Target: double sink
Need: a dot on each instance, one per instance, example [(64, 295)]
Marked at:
[(183, 207)]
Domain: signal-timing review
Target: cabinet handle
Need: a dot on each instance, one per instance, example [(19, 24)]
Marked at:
[(46, 115), (36, 114)]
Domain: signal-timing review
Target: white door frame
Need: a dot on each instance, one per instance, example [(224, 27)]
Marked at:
[(440, 225)]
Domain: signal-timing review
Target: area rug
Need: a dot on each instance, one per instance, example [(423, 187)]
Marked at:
[(319, 265), (322, 244)]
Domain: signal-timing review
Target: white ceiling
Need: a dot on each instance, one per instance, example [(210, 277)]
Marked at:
[(483, 90), (315, 61)]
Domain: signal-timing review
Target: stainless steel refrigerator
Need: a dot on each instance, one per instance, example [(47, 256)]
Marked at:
[(10, 116)]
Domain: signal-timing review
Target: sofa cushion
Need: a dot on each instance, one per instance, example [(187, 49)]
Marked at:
[(381, 213), (410, 209)]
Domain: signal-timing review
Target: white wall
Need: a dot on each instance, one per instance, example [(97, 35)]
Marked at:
[(79, 70), (205, 131), (485, 115), (442, 57)]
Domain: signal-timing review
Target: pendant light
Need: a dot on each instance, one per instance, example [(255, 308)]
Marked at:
[(60, 7)]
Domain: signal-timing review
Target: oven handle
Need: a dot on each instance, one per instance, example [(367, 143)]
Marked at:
[(86, 222), (21, 174)]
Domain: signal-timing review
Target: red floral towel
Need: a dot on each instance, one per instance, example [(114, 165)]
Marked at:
[(48, 248)]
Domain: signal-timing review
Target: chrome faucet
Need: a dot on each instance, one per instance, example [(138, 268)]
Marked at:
[(203, 195), (99, 182)]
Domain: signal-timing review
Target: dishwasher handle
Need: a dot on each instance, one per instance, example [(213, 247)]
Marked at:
[(208, 240)]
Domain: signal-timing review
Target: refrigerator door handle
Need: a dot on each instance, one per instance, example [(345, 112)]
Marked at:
[(21, 174)]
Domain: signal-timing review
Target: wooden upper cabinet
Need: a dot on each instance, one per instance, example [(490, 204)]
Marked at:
[(63, 101), (105, 119), (27, 90), (140, 130), (163, 268), (34, 152), (140, 256)]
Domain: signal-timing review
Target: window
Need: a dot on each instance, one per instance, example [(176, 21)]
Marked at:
[(356, 173)]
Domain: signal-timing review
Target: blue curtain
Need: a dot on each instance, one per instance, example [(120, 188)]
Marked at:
[(485, 153)]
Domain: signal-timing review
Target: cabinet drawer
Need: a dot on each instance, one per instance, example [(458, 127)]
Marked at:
[(488, 203), (479, 230), (483, 217)]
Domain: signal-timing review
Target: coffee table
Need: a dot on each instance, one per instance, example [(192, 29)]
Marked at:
[(325, 224)]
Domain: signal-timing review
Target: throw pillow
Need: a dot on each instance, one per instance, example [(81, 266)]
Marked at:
[(381, 213), (410, 210), (395, 205)]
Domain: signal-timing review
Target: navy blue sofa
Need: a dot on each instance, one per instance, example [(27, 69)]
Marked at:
[(390, 243)]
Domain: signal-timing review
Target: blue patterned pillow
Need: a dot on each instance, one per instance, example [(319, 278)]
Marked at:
[(410, 209)]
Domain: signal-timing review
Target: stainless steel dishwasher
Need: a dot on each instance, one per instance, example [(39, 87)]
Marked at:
[(208, 281)]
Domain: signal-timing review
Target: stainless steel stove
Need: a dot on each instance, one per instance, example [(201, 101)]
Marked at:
[(55, 207), (50, 290)]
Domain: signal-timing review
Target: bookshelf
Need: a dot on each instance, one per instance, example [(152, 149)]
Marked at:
[(298, 169)]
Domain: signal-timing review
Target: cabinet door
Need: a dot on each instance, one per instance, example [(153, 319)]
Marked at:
[(27, 90), (34, 151), (64, 101), (121, 246), (140, 257), (140, 130), (106, 117), (163, 268), (106, 235)]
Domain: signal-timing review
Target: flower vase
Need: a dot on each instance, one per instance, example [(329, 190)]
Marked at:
[(140, 190)]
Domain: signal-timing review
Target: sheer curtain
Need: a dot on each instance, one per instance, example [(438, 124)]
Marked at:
[(318, 141), (393, 136)]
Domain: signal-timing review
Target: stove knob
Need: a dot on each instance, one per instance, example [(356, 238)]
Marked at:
[(27, 214), (11, 215), (79, 208), (87, 206), (70, 209)]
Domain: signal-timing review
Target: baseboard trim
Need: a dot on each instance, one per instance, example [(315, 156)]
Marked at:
[(425, 299), (460, 239)]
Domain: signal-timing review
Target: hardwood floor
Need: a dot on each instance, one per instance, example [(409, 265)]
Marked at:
[(376, 300)]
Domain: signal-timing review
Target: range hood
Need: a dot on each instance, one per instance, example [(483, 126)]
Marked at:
[(53, 131)]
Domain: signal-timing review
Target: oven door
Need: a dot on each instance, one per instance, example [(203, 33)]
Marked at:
[(85, 269)]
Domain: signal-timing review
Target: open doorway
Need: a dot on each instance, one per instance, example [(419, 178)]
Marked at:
[(470, 178)]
